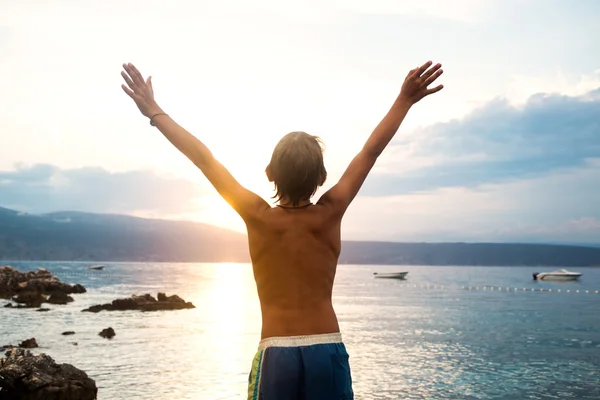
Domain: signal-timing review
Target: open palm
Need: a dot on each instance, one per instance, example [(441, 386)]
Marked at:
[(139, 90), (416, 82)]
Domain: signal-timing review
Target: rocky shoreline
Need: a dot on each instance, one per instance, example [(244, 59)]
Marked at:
[(32, 288), (24, 375), (144, 303)]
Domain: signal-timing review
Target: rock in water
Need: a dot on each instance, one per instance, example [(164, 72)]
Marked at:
[(30, 287), (29, 377), (78, 289), (59, 298), (68, 333), (28, 344), (144, 303), (107, 333), (31, 299)]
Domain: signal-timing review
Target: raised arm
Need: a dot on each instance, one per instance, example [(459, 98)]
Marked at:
[(245, 202), (414, 89)]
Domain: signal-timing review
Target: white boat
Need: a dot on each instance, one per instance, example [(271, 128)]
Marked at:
[(96, 267), (393, 275), (560, 275)]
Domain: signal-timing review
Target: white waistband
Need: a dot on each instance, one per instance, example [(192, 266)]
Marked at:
[(297, 341)]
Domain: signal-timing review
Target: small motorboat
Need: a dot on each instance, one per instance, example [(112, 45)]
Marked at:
[(96, 267), (393, 275), (560, 275)]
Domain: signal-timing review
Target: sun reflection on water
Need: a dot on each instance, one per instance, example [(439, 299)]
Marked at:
[(231, 326)]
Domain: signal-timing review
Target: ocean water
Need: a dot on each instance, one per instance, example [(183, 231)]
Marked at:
[(438, 335)]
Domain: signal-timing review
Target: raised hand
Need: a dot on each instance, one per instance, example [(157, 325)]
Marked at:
[(416, 82), (139, 90)]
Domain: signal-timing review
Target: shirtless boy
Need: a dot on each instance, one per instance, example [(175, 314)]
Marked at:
[(295, 245)]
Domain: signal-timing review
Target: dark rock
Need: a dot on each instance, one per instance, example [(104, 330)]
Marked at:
[(144, 303), (96, 308), (26, 376), (74, 343), (59, 298), (107, 333), (175, 299), (31, 286), (124, 304), (143, 298), (28, 344), (43, 309), (8, 305), (31, 299), (68, 333), (78, 289)]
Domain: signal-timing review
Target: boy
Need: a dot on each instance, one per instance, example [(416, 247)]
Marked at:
[(294, 246)]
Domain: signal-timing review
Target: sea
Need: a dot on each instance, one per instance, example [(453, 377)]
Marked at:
[(451, 332)]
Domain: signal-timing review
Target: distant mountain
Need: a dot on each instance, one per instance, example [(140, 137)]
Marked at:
[(484, 254), (103, 237)]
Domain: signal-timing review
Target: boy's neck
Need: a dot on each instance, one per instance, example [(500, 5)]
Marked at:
[(283, 203)]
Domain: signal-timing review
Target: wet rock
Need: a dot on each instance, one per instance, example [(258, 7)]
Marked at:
[(96, 308), (175, 299), (107, 333), (78, 289), (144, 303), (8, 305), (59, 298), (29, 287), (28, 344), (31, 299), (26, 376), (42, 309), (68, 333)]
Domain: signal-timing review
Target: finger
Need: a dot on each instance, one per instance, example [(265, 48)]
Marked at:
[(431, 70), (133, 75), (433, 77), (434, 90), (423, 67), (149, 83), (127, 90), (136, 75), (128, 80)]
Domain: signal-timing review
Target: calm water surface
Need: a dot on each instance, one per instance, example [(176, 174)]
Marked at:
[(423, 338)]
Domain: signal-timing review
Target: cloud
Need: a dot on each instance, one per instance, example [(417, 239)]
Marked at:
[(559, 207), (498, 142), (45, 188)]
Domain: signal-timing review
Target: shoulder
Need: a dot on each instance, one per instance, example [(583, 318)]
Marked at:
[(329, 206)]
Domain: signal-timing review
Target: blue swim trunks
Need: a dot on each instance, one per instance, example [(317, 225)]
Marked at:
[(313, 367)]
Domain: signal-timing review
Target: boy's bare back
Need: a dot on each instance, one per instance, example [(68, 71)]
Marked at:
[(294, 253)]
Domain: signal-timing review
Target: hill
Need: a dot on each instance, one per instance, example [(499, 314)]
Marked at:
[(103, 237), (100, 237)]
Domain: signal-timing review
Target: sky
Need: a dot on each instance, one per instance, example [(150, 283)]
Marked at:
[(508, 151)]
